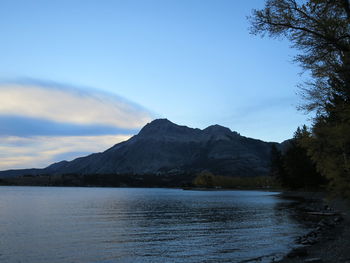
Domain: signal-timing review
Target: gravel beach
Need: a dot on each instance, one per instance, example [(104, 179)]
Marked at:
[(329, 221)]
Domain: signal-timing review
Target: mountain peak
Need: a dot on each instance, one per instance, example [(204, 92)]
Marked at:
[(162, 126), (161, 122), (217, 129)]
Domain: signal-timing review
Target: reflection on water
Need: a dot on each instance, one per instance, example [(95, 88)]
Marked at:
[(39, 224)]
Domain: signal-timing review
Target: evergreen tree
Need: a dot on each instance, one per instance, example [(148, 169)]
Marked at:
[(277, 170), (300, 170)]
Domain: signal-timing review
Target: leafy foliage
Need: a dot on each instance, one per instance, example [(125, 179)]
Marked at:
[(329, 147), (320, 29)]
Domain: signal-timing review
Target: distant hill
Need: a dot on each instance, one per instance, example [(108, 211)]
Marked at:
[(165, 148)]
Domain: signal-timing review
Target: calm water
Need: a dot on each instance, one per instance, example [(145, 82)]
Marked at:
[(39, 224)]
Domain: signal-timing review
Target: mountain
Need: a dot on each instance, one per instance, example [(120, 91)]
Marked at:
[(164, 148)]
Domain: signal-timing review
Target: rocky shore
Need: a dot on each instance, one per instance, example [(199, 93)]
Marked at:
[(329, 221)]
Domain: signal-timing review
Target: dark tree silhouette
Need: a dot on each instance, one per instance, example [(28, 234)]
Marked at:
[(320, 30)]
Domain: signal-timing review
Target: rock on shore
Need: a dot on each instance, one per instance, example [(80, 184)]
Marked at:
[(329, 239)]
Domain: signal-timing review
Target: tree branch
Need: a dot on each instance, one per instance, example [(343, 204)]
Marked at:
[(330, 40), (295, 8), (346, 5)]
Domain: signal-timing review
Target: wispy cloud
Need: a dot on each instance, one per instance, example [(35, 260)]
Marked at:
[(40, 151), (70, 105), (28, 126), (43, 122), (262, 106)]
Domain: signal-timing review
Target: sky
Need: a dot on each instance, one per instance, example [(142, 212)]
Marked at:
[(77, 77)]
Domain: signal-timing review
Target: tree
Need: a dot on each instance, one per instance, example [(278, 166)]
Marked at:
[(330, 148), (320, 30), (294, 169), (204, 179), (300, 170), (277, 170)]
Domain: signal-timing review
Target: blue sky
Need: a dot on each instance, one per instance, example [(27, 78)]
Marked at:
[(191, 61)]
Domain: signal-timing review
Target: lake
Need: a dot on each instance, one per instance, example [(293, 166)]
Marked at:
[(72, 224)]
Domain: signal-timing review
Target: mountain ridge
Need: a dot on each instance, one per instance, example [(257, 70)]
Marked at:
[(163, 147)]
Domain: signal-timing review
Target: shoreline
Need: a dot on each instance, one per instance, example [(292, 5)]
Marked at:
[(329, 221)]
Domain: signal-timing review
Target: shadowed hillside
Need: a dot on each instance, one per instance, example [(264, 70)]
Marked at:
[(163, 148)]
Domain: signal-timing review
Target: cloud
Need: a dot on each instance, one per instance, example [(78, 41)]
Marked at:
[(27, 126), (45, 122), (40, 151), (262, 106), (66, 104)]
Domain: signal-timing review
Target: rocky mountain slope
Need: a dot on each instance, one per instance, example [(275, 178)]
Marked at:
[(162, 147)]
